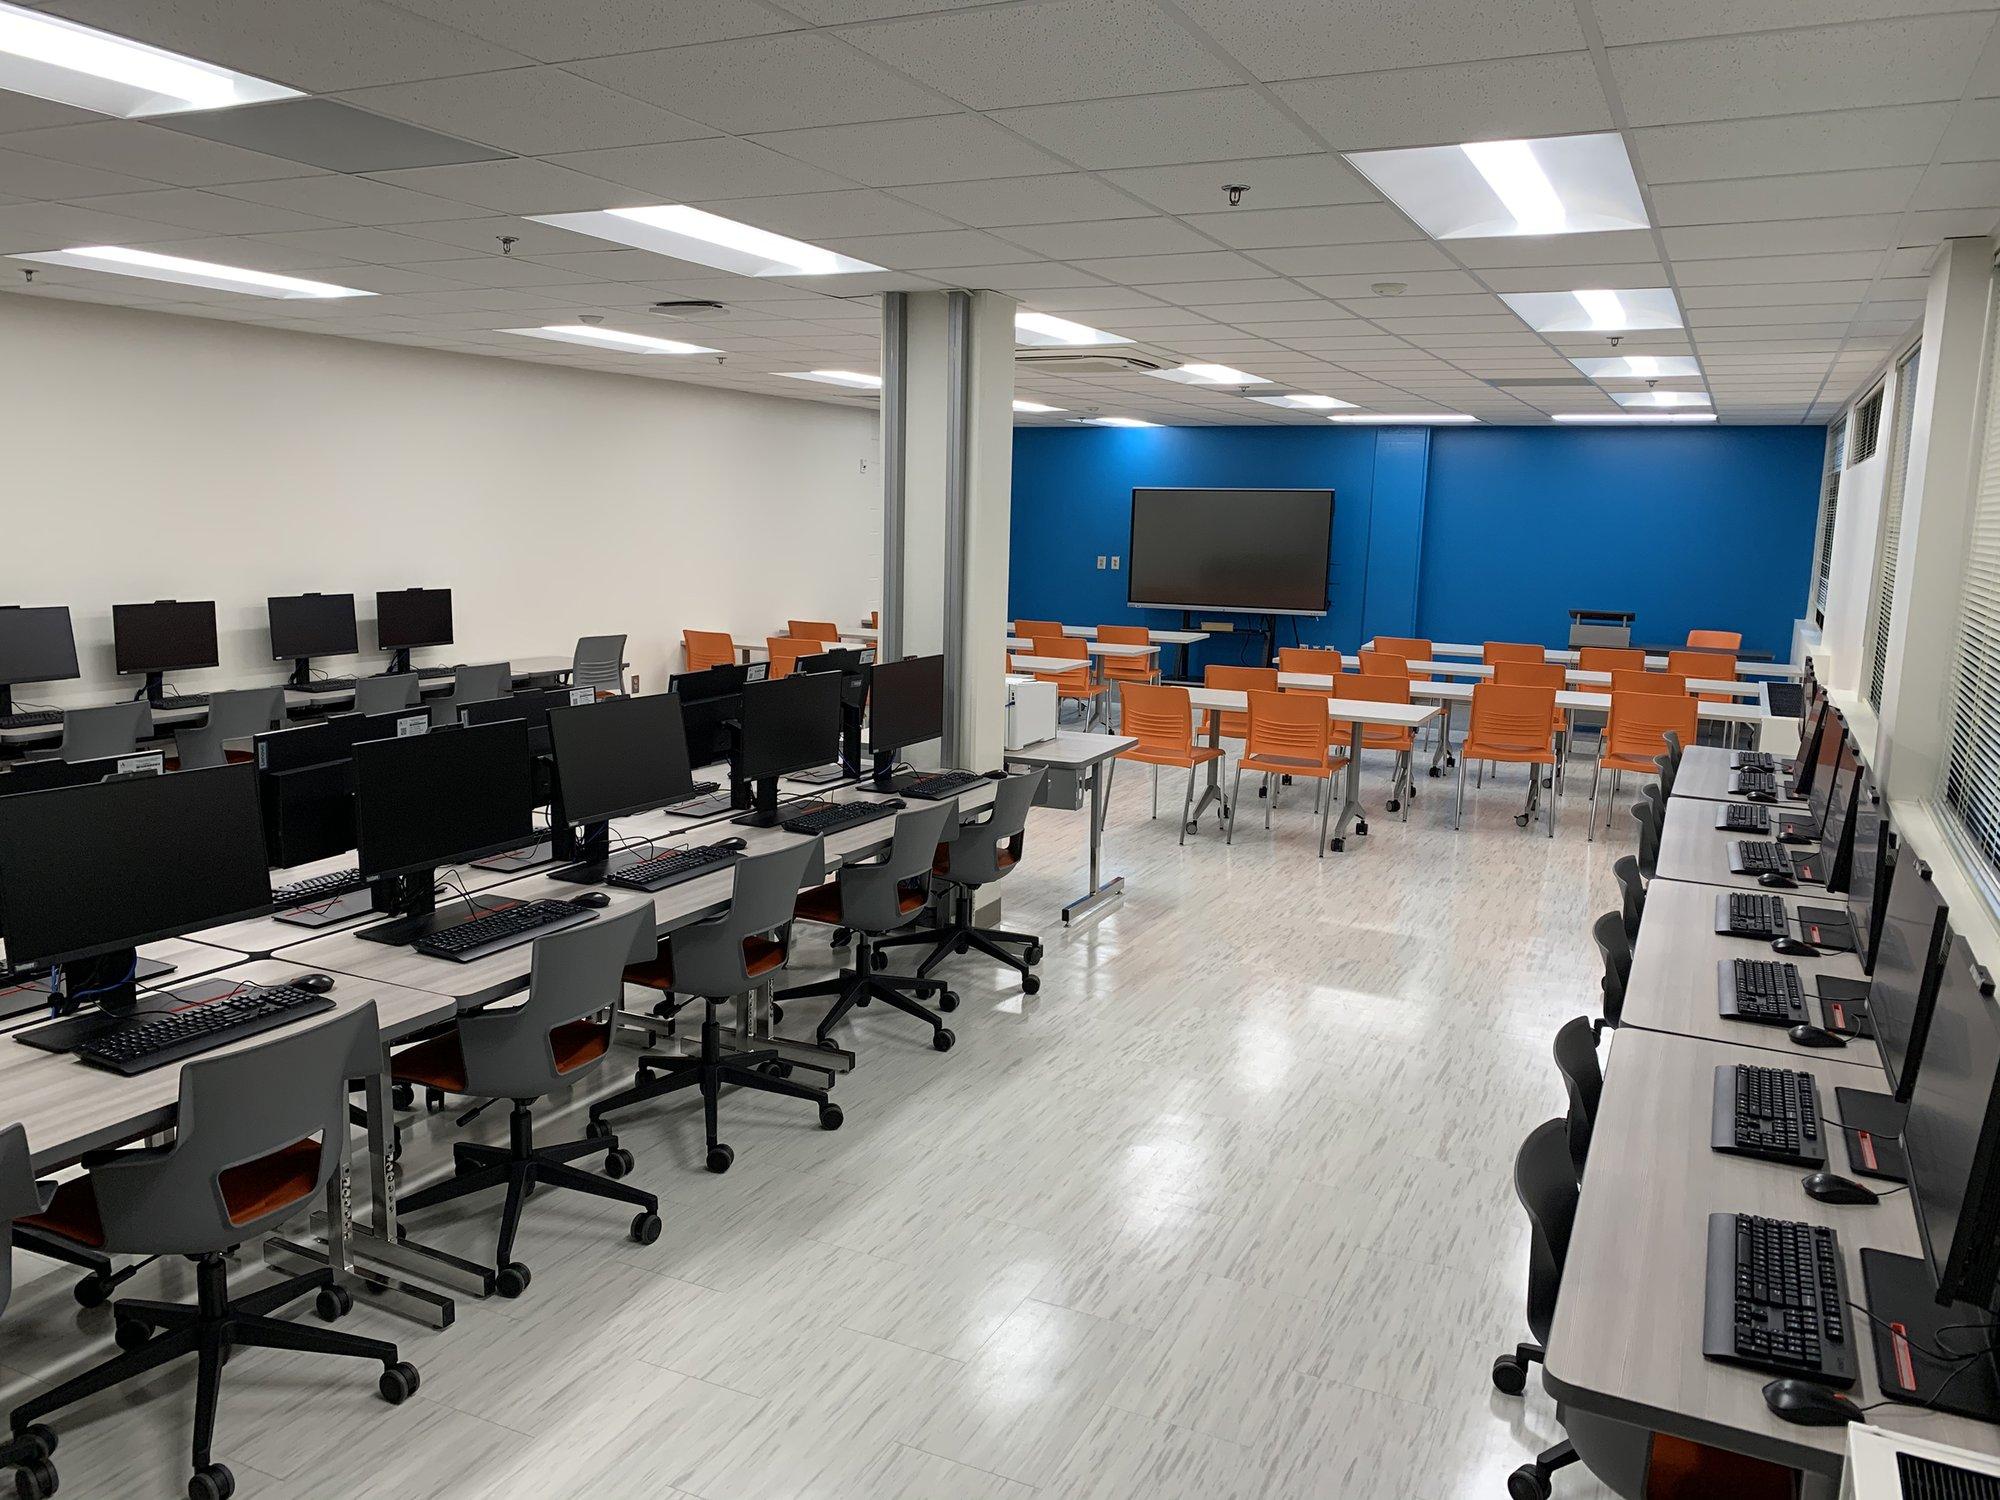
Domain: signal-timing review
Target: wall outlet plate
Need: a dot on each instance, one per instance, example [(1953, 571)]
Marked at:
[(1100, 562)]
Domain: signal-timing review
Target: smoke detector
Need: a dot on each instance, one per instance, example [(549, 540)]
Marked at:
[(1389, 288)]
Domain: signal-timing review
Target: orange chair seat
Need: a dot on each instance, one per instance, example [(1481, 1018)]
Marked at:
[(1387, 737), (1513, 754), (1184, 760), (271, 1184), (438, 1063), (1285, 765), (1629, 763), (71, 1215), (577, 1042)]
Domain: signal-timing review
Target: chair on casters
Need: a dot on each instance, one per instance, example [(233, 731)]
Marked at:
[(552, 1040), (984, 847), (599, 664), (1162, 720), (111, 729), (1648, 819), (28, 1452), (1545, 1182), (1615, 949), (723, 958), (1576, 1060), (261, 1131), (1382, 687), (234, 715), (869, 900), (475, 684), (1632, 893), (1515, 724), (384, 695)]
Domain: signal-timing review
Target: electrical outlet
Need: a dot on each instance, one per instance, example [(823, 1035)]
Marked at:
[(1114, 564), (1100, 562)]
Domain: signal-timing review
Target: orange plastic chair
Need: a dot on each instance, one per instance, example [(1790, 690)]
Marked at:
[(1380, 663), (1235, 726), (1716, 640), (1124, 669), (1162, 720), (1321, 661), (1710, 664), (1074, 682), (1287, 737), (1032, 628), (1382, 687), (1409, 647), (1610, 659), (1670, 684), (1512, 723), (1494, 652), (708, 648), (786, 650), (874, 619), (813, 630), (1636, 733)]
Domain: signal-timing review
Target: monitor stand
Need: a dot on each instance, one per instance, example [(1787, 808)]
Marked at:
[(301, 673), (399, 662), (1843, 1006), (886, 779), (1906, 1319), (109, 982), (764, 813), (155, 690), (524, 858), (592, 853), (326, 913), (1872, 1126)]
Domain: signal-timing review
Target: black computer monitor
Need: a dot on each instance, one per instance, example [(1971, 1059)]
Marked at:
[(1843, 810), (905, 708), (1838, 767), (87, 873), (305, 778), (1824, 731), (711, 700), (43, 775), (36, 645), (307, 625), (791, 724), (856, 666), (1873, 867), (168, 635), (615, 759), (1909, 953), (411, 617)]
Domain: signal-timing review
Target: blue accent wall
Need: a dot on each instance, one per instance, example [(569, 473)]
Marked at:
[(1454, 533)]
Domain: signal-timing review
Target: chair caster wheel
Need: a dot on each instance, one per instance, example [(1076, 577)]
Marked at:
[(1510, 1376), (513, 1279), (1337, 845), (1033, 956), (333, 1303), (212, 1483), (878, 960), (841, 937), (645, 1229), (948, 1001), (1528, 1483), (1263, 791), (775, 1069), (719, 1159), (1030, 984), (1361, 827), (1192, 827), (399, 1382), (618, 1163), (433, 1101), (943, 1040), (827, 1044), (830, 1117), (36, 1482), (43, 1439), (1520, 820), (597, 1130), (92, 1291), (402, 1095), (1394, 805), (1434, 772), (777, 1013), (132, 1333), (1451, 760)]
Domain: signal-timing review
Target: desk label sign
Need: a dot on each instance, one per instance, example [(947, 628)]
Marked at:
[(579, 696), (153, 762), (411, 724)]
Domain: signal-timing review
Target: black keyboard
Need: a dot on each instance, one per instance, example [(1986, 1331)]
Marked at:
[(943, 784), (34, 718), (317, 888), (1740, 817), (328, 685), (700, 790), (1752, 914), (1755, 760), (1757, 781), (159, 1040), (502, 929), (1769, 1113), (1758, 989), (672, 869), (180, 700), (831, 817), (1777, 1299), (1761, 859), (431, 674)]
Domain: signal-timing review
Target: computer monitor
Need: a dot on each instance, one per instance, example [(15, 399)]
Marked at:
[(1838, 766), (615, 759), (307, 625), (44, 775), (1873, 866), (168, 635), (905, 708), (1823, 731), (411, 617), (791, 724), (532, 706), (856, 666), (710, 703), (1843, 809), (36, 645), (305, 778), (1908, 955)]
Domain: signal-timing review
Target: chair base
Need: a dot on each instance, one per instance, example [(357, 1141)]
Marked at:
[(95, 1289), (157, 1333), (861, 984), (709, 1071), (1531, 1481), (520, 1168), (959, 935)]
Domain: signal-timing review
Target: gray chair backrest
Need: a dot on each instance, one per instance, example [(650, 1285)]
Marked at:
[(710, 957), (985, 849), (474, 684), (1632, 891), (1648, 819), (384, 695), (1545, 1181), (1576, 1060), (600, 663), (575, 975), (19, 1197), (113, 729), (877, 897), (1608, 932), (1675, 748), (234, 715), (238, 1108)]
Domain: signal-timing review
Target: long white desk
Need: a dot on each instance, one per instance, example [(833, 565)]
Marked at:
[(1788, 670), (1705, 775), (1095, 755), (1692, 848)]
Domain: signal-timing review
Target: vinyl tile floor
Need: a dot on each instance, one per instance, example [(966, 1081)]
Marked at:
[(1224, 1211)]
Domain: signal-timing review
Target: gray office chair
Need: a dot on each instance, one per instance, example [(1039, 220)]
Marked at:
[(384, 695), (1648, 818), (259, 1133), (983, 847), (729, 954), (1674, 749), (235, 715), (28, 1453), (474, 684), (871, 899), (552, 1040), (1632, 893), (1608, 932), (1576, 1060), (112, 729), (599, 663)]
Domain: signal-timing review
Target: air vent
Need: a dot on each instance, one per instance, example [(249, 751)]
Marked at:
[(689, 312), (326, 133), (1093, 362), (1927, 1479), (1866, 428)]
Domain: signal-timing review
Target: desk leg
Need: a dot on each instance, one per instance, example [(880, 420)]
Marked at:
[(1351, 810), (1212, 792), (1102, 893), (757, 1035), (1442, 756)]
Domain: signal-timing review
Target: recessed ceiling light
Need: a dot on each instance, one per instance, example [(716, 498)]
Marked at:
[(1035, 408), (1209, 375), (1566, 184), (708, 240), (1639, 367), (1596, 310), (610, 338), (854, 379), (51, 58), (121, 261), (1401, 419), (1045, 331), (1114, 422), (1661, 398), (1635, 416), (1298, 401)]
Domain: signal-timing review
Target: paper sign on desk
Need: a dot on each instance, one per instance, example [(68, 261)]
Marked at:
[(411, 724), (153, 761), (579, 696)]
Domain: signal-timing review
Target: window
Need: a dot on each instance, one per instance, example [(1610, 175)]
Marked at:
[(1863, 431), (1892, 524), (1829, 506)]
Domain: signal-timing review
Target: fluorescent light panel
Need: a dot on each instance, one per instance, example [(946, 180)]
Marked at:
[(1114, 422), (1640, 367), (1566, 184), (610, 338), (707, 239), (853, 379), (1629, 417), (1300, 401), (1660, 398), (1035, 408), (118, 260), (1401, 419), (1035, 330), (1209, 375), (51, 58), (1596, 310)]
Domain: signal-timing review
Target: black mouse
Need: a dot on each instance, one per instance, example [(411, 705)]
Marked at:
[(1815, 1036), (592, 898), (1810, 1404), (1791, 947), (996, 775), (1776, 881), (732, 844), (314, 984), (1760, 796), (1831, 1187)]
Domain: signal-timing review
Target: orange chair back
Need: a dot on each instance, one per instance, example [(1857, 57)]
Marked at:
[(1542, 674), (1716, 640), (1409, 647), (1286, 729), (1322, 661), (1124, 669), (1236, 726), (1665, 684), (708, 648), (1380, 687), (1637, 728), (1495, 652), (813, 630), (1713, 665), (1161, 720), (1033, 628), (1610, 659), (786, 650), (1074, 681), (1380, 663), (874, 619), (1513, 718)]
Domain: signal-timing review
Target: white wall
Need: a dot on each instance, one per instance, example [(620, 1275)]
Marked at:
[(152, 456)]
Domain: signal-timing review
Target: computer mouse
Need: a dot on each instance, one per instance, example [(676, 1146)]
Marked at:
[(732, 844), (1815, 1036), (591, 898), (1831, 1187), (896, 802), (1791, 947), (314, 984), (1810, 1404), (1760, 796), (996, 775), (1777, 882)]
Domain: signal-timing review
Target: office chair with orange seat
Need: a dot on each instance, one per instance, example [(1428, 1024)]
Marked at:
[(1495, 652), (1321, 661), (1512, 723), (813, 630), (1636, 733), (1162, 720), (708, 648), (1716, 640), (1548, 674), (1072, 682), (1287, 737), (1381, 687)]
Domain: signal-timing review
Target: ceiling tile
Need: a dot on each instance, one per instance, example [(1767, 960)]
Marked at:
[(532, 111), (1059, 197), (374, 246), (23, 176), (20, 112), (890, 153), (143, 150), (350, 200), (687, 171), (1391, 256), (1619, 247), (915, 252), (1151, 130), (599, 28), (1845, 266), (1627, 21), (1974, 129), (834, 12), (1138, 270), (1777, 145), (1263, 317), (1636, 274), (1883, 190), (814, 216), (515, 186), (1260, 289), (1268, 228), (1078, 241), (1307, 181), (1416, 283), (1966, 184), (1527, 96), (210, 213), (53, 226), (1298, 39), (1800, 236), (1927, 226), (1026, 276), (485, 233)]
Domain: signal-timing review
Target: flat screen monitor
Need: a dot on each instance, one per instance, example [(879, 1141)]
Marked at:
[(1823, 731), (1842, 808), (41, 775), (312, 625), (1908, 955), (168, 636), (1838, 766), (1873, 870), (1254, 551), (332, 739), (710, 702), (620, 757), (906, 703), (441, 798), (36, 644), (91, 870), (791, 724), (413, 617)]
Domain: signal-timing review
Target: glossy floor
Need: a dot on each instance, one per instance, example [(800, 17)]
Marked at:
[(1224, 1211)]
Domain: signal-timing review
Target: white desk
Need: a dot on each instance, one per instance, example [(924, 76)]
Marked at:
[(1157, 637), (1706, 771), (1692, 848), (1093, 753), (1094, 648), (1569, 658)]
